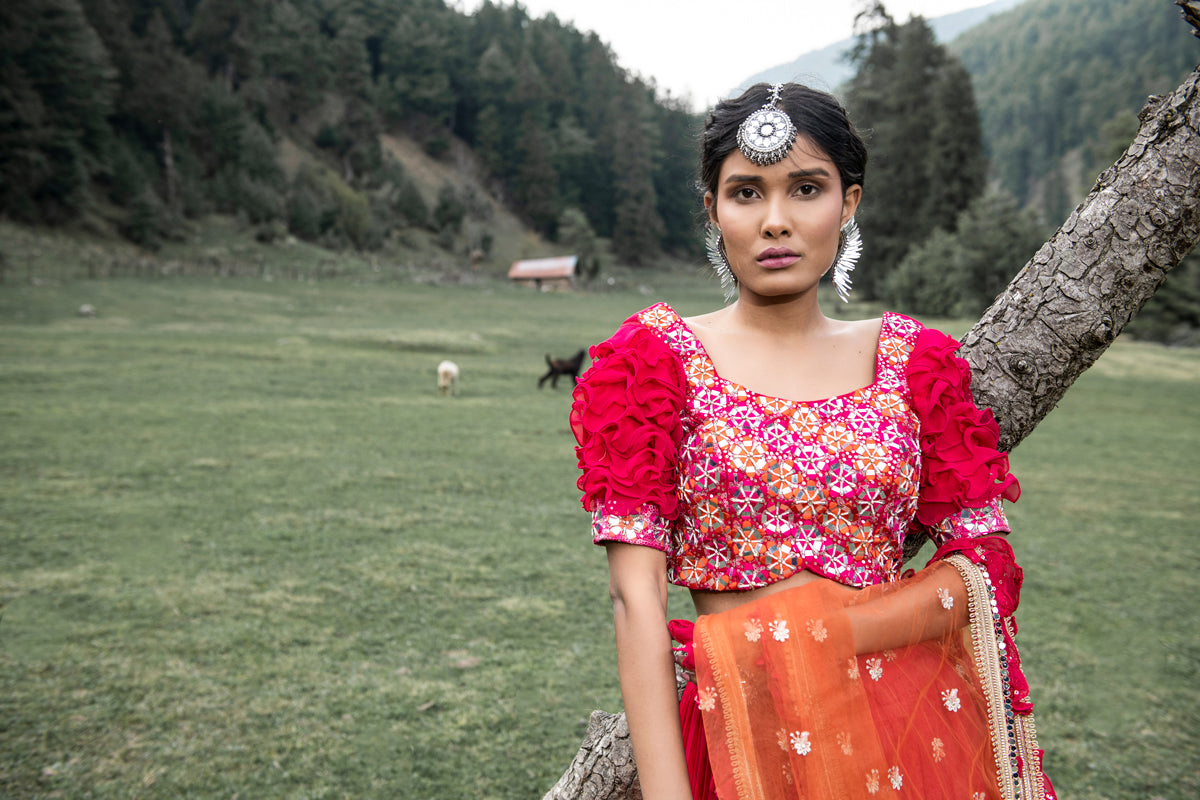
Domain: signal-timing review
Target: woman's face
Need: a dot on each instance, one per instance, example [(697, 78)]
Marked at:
[(781, 222)]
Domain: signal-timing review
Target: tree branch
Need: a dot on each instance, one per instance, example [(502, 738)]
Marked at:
[(603, 768), (1191, 12), (1067, 305)]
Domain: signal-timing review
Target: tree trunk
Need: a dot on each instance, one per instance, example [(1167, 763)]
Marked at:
[(170, 177), (1052, 322), (1083, 286), (603, 768)]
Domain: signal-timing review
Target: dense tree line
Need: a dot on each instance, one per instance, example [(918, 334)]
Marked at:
[(135, 115), (140, 113)]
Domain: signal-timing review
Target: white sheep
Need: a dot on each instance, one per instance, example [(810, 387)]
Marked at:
[(447, 378)]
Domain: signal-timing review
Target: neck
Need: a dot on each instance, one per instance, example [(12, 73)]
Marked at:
[(780, 316)]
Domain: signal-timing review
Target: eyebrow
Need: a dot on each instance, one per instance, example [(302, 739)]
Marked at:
[(819, 172)]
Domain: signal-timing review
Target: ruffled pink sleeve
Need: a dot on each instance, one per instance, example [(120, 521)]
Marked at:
[(964, 475), (625, 417)]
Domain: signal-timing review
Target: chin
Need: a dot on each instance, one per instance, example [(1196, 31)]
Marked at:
[(781, 286)]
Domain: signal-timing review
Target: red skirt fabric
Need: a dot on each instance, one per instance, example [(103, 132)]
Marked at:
[(695, 746)]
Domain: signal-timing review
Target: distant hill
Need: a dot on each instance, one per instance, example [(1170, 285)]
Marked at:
[(827, 69), (1059, 84)]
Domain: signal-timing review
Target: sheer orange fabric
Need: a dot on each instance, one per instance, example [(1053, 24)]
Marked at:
[(829, 692)]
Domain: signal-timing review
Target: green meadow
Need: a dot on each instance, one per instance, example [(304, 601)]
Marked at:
[(247, 551)]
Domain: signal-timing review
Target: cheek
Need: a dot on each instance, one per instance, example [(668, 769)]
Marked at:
[(735, 223), (832, 211), (738, 236), (829, 222)]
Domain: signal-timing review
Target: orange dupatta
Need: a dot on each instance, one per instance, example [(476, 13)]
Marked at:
[(791, 709)]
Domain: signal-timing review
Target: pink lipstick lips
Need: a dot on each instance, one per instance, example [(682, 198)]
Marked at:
[(776, 257)]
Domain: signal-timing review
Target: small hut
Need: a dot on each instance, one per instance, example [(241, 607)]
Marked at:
[(546, 274)]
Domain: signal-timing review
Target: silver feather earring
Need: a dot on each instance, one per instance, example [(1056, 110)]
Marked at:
[(847, 256), (715, 249)]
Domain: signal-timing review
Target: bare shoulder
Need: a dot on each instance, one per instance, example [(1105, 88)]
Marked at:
[(861, 332), (708, 320)]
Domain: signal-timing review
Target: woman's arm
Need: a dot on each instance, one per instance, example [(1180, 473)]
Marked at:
[(933, 603), (638, 587)]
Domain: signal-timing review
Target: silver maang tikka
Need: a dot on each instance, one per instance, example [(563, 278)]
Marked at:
[(715, 248), (766, 136), (849, 249)]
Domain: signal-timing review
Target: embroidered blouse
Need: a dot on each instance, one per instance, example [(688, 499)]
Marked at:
[(741, 489)]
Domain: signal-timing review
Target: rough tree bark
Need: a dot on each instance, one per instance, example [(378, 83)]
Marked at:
[(1064, 308), (1083, 286)]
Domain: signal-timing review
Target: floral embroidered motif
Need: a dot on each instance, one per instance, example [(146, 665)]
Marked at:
[(950, 699), (939, 749), (982, 796), (844, 742), (895, 777), (800, 743), (890, 655), (873, 781), (946, 598), (817, 628), (753, 630), (852, 669), (781, 737), (875, 668), (779, 630), (706, 698)]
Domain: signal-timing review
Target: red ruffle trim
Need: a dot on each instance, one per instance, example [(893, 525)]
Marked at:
[(625, 417), (961, 466)]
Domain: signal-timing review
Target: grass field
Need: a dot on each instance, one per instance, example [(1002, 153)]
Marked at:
[(247, 551)]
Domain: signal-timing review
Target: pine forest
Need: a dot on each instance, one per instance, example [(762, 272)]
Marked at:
[(137, 119)]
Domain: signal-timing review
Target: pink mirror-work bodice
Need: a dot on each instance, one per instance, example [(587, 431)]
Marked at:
[(741, 489)]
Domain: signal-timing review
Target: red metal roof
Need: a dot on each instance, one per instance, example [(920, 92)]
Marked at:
[(537, 268)]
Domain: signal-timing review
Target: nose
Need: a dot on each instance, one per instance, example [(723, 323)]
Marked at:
[(775, 222)]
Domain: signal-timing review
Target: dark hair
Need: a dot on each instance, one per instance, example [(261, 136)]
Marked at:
[(816, 115)]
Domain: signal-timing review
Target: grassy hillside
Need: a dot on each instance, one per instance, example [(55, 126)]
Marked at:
[(249, 552)]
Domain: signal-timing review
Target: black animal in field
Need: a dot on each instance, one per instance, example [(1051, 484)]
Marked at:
[(559, 367)]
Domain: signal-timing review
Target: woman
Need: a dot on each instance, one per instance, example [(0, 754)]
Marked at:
[(773, 461)]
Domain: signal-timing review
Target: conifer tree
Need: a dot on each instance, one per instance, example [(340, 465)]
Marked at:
[(295, 57), (56, 92), (413, 65), (638, 230), (913, 100), (535, 180), (225, 33), (160, 99), (957, 166)]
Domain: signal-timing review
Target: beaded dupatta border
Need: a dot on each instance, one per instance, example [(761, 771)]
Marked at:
[(1014, 736)]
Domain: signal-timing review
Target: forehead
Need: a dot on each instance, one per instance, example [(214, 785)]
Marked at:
[(805, 155)]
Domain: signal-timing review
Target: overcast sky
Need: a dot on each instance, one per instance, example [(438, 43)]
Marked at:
[(703, 48)]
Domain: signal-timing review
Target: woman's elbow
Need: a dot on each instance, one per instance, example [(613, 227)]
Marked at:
[(636, 580)]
